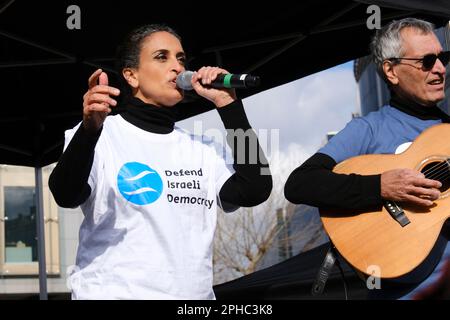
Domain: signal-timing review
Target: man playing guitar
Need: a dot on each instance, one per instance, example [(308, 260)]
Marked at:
[(411, 60)]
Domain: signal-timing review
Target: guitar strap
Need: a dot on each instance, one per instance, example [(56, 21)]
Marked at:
[(324, 271)]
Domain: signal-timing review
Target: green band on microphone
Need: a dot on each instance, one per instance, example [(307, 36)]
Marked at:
[(227, 81)]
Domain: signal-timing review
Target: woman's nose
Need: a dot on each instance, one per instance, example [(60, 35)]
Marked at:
[(178, 66)]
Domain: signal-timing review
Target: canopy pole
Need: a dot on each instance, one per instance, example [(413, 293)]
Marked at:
[(40, 235), (6, 6)]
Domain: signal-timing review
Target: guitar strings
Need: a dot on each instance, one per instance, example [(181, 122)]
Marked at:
[(442, 178), (434, 167), (443, 163), (437, 170), (437, 174)]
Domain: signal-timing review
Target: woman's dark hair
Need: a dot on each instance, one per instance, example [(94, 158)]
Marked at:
[(129, 51)]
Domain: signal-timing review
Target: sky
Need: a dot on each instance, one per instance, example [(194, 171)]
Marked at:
[(303, 111)]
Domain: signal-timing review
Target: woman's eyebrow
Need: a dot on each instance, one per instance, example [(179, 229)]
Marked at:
[(161, 51)]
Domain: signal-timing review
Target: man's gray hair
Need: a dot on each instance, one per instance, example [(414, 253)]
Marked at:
[(387, 42)]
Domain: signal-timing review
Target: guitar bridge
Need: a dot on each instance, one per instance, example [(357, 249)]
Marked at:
[(396, 212)]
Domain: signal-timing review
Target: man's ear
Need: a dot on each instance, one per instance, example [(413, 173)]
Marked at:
[(130, 76), (390, 73)]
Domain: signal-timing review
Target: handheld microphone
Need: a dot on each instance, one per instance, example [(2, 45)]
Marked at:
[(222, 81)]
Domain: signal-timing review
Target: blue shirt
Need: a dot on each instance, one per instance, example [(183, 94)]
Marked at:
[(386, 131), (379, 132)]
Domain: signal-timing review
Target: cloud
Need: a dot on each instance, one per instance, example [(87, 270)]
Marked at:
[(303, 111), (306, 109)]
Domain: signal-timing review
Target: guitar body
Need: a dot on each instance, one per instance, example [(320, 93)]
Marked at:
[(374, 238)]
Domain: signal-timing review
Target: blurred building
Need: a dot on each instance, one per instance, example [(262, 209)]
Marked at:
[(18, 242)]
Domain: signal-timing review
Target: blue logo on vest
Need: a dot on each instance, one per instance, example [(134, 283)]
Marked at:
[(139, 184)]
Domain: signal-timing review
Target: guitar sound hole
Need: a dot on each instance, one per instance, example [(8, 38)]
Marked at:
[(438, 170)]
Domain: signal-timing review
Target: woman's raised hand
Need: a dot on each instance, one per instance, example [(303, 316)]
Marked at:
[(97, 101)]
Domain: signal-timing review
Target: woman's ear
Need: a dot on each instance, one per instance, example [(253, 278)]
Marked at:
[(389, 72), (130, 76)]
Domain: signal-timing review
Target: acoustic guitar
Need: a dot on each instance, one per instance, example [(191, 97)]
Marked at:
[(398, 237)]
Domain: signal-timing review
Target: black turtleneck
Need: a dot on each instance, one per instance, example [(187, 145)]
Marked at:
[(149, 117), (246, 187), (417, 110), (328, 189)]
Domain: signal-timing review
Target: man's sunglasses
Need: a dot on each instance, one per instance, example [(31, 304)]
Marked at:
[(429, 60)]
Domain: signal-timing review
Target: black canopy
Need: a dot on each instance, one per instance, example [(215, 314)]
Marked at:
[(44, 66)]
